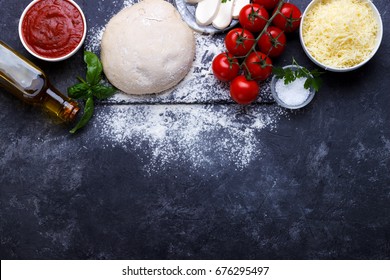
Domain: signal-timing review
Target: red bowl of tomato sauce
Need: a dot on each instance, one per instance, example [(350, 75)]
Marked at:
[(52, 30)]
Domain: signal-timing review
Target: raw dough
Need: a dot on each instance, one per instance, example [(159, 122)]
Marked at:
[(147, 48)]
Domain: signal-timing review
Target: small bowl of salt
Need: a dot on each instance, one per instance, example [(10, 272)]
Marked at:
[(292, 95)]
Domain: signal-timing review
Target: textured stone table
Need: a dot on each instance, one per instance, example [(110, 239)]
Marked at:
[(219, 183)]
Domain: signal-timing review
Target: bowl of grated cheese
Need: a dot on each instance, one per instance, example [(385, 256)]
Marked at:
[(341, 35)]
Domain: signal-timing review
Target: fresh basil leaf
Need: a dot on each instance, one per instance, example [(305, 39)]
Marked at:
[(278, 72), (90, 88), (312, 77), (94, 68), (316, 84), (88, 113), (102, 91), (78, 91), (289, 76), (308, 83)]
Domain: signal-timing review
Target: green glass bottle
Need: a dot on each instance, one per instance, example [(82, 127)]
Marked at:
[(26, 81)]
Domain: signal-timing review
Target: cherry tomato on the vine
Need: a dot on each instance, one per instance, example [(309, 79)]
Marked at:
[(253, 17), (258, 66), (239, 41), (272, 42), (244, 91), (225, 67), (268, 4), (289, 18)]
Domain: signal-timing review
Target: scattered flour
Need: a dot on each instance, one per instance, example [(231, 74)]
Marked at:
[(201, 135), (195, 122)]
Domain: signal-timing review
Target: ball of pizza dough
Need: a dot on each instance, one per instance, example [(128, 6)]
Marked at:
[(147, 48)]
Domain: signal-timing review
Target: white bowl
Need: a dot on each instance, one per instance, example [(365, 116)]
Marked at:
[(281, 102), (335, 69), (56, 58)]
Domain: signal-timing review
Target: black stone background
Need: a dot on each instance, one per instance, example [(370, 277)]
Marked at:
[(321, 189)]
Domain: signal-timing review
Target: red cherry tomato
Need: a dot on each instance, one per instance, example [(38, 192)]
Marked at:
[(272, 42), (268, 4), (253, 17), (289, 18), (239, 41), (244, 91), (258, 66), (225, 67)]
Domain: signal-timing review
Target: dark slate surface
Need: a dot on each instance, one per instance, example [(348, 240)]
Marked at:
[(321, 189)]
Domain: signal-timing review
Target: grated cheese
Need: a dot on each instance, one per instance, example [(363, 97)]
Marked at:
[(340, 33)]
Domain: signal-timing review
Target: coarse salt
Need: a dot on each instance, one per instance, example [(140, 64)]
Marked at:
[(292, 94)]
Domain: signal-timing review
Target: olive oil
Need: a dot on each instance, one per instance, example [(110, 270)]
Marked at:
[(30, 84)]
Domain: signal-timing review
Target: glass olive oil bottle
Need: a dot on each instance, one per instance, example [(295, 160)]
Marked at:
[(27, 82)]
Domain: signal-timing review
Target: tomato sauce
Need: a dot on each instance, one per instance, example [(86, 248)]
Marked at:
[(53, 28)]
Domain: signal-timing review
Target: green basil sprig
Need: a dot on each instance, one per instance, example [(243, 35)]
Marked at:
[(90, 88), (313, 79)]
